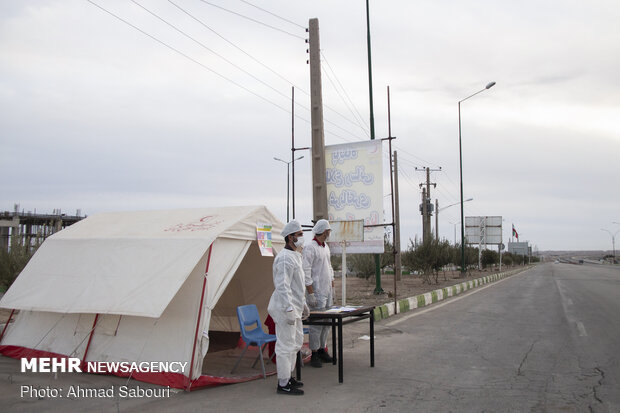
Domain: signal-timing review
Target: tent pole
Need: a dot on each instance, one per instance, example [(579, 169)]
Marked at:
[(90, 339), (7, 324), (202, 296)]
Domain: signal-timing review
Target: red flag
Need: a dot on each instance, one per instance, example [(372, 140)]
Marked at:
[(514, 232)]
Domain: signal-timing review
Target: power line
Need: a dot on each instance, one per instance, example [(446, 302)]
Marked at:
[(450, 179), (190, 58), (211, 50), (408, 179), (409, 162), (404, 160), (251, 19), (446, 188), (345, 102), (345, 92), (342, 129), (445, 192), (424, 161), (273, 14), (264, 65), (215, 72), (237, 47)]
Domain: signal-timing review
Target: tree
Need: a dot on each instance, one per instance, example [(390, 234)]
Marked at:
[(427, 257), (471, 256), (362, 264), (336, 261), (13, 261), (512, 259), (489, 257), (387, 258), (444, 257)]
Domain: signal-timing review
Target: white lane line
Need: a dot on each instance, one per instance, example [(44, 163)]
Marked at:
[(582, 329), (567, 305), (453, 300)]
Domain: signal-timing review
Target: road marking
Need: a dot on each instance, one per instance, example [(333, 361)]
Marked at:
[(567, 305), (582, 329), (453, 300)]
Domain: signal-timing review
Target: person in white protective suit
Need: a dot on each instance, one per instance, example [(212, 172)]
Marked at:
[(287, 307), (319, 279)]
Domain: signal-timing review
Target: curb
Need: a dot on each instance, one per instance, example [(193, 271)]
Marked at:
[(422, 300)]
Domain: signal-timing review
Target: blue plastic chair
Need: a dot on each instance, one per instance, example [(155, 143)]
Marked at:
[(248, 317)]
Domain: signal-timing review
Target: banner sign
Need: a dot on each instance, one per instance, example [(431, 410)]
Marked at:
[(483, 230), (346, 231), (263, 236), (355, 191)]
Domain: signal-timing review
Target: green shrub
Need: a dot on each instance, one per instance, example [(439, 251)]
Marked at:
[(13, 261)]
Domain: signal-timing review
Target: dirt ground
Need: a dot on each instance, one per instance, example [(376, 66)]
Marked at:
[(361, 291)]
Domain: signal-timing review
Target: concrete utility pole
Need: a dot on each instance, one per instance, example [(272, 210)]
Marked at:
[(436, 219), (319, 186), (424, 210), (397, 266), (427, 207)]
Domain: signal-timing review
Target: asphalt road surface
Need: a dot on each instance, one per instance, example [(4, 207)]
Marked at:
[(545, 340)]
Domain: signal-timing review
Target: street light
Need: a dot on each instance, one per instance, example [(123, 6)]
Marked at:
[(613, 241), (287, 181), (456, 203), (488, 86), (437, 217), (454, 224)]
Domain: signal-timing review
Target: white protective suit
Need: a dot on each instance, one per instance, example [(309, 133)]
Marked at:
[(318, 273), (288, 280)]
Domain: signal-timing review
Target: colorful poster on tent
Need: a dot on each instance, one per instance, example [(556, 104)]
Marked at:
[(355, 191), (263, 236)]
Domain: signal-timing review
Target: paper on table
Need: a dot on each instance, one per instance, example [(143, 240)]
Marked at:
[(342, 309)]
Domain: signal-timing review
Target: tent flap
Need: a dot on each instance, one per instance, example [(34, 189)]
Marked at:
[(105, 276), (128, 263)]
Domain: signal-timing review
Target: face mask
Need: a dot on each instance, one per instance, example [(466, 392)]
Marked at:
[(300, 242)]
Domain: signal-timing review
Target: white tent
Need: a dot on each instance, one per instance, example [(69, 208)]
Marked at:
[(142, 286)]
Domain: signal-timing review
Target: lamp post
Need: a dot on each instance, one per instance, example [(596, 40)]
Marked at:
[(488, 86), (454, 224), (613, 241), (287, 181), (441, 209)]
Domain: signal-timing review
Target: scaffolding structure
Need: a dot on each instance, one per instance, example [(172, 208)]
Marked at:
[(30, 228)]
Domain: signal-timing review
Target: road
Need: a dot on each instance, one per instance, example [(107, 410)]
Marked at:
[(545, 340)]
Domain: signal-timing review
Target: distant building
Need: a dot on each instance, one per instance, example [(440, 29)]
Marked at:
[(30, 228), (519, 248)]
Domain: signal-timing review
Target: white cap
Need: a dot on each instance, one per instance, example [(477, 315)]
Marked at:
[(291, 228), (321, 226)]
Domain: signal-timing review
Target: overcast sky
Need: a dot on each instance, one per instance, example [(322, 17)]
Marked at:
[(188, 107)]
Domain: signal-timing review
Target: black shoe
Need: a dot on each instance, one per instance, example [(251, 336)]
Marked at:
[(315, 360), (290, 390), (324, 356), (294, 383)]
